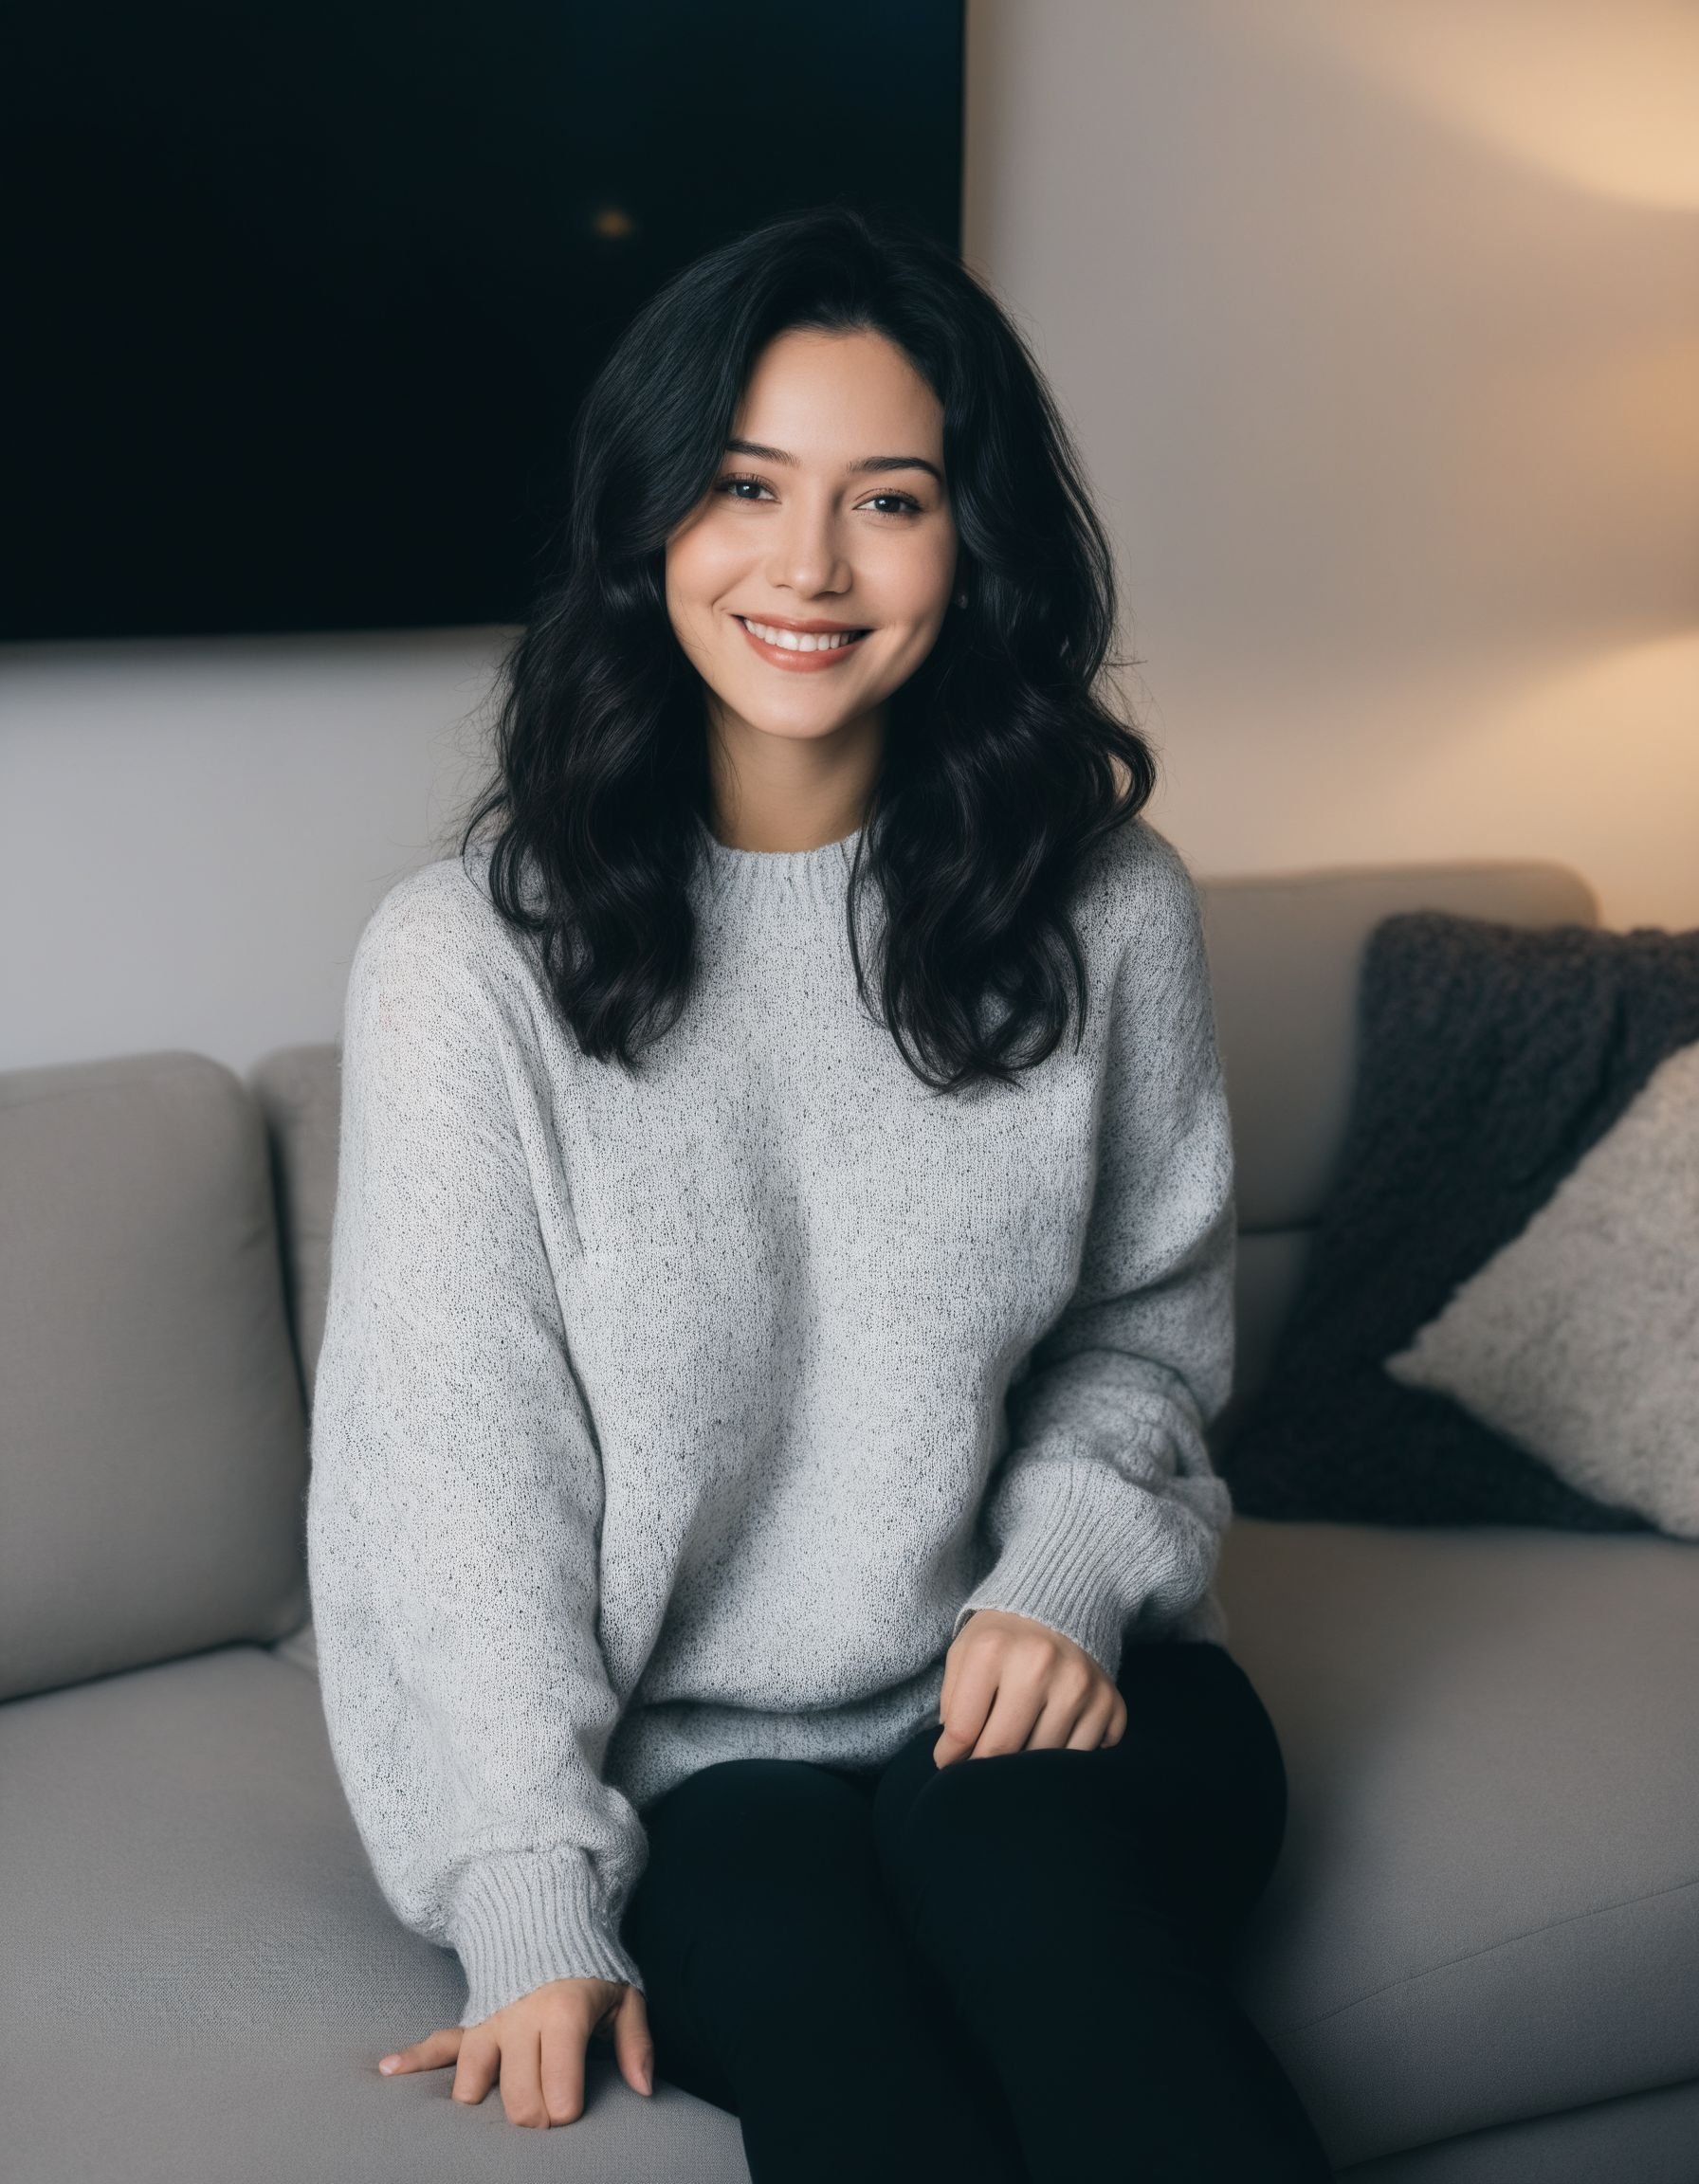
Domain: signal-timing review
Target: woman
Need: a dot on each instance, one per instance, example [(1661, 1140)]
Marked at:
[(761, 1532)]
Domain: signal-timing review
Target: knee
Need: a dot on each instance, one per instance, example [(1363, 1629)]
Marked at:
[(955, 1831)]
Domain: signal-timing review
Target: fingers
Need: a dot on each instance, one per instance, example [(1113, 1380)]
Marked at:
[(1014, 1685), (1072, 1699), (995, 1703), (538, 2058), (535, 2046), (427, 2055), (952, 1666), (966, 1704), (1014, 1712), (1096, 1717), (479, 2062), (523, 2048), (632, 2045), (565, 2037)]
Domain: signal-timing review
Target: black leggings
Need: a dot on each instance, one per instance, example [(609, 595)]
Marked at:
[(1009, 1969)]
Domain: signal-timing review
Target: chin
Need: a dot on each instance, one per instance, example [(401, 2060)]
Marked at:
[(794, 730)]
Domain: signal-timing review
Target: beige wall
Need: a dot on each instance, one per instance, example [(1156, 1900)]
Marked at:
[(1380, 330)]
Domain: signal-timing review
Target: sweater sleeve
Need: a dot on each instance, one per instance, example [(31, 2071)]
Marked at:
[(1105, 1505), (456, 1493)]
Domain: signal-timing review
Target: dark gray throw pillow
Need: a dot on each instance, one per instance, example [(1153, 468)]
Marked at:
[(1490, 1059)]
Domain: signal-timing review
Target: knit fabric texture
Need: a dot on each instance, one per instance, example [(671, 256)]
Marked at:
[(1490, 1059), (687, 1415)]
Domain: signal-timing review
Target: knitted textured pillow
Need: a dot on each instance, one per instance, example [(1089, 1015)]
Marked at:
[(1579, 1340), (1492, 1059)]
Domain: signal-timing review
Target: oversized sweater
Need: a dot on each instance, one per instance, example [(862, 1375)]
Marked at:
[(687, 1416)]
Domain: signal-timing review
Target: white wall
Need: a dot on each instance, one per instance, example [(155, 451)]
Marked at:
[(196, 833), (1380, 330)]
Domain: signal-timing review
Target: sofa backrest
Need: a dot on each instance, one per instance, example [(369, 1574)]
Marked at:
[(1285, 952), (165, 1257), (154, 1467)]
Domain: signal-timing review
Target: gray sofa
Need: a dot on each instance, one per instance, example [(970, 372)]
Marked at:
[(1479, 1954)]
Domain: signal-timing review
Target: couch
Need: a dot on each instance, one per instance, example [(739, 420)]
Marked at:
[(1478, 1957)]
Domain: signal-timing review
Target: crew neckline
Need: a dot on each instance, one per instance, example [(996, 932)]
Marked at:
[(763, 868)]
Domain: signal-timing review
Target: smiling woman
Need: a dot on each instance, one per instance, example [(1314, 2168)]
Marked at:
[(825, 429), (820, 565), (762, 1530)]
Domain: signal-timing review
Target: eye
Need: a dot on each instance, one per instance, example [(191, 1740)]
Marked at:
[(727, 487), (725, 483)]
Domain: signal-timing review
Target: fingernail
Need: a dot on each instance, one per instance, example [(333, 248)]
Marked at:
[(648, 2078), (391, 2063)]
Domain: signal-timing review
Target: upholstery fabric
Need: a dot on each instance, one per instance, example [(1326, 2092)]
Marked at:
[(156, 1455), (1490, 1059), (1579, 1338), (1485, 1908)]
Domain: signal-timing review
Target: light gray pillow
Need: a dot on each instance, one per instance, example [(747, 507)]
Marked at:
[(1579, 1338)]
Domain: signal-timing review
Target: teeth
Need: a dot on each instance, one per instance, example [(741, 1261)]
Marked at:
[(795, 640)]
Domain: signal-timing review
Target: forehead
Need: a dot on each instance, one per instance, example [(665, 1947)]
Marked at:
[(826, 397)]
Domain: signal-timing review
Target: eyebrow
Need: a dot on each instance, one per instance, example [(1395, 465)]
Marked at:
[(866, 461)]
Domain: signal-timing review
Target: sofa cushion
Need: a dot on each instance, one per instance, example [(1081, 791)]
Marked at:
[(198, 1974), (1487, 1906), (1579, 1338), (1492, 1059), (1645, 2138), (1286, 951), (156, 1463), (299, 1090)]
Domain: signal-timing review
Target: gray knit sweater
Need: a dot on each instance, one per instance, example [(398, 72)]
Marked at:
[(671, 1418)]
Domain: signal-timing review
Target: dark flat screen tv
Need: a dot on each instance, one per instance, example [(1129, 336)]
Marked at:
[(303, 297)]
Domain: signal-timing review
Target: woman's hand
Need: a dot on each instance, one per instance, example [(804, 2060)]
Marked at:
[(1012, 1684), (537, 2045)]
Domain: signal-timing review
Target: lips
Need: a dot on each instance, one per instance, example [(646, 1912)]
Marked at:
[(799, 663)]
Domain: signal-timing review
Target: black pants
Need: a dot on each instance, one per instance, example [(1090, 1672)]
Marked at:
[(1008, 1969)]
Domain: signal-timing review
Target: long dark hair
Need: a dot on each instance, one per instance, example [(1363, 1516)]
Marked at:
[(1001, 768)]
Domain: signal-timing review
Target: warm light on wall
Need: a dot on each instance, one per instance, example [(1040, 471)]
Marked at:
[(1599, 93), (1602, 752)]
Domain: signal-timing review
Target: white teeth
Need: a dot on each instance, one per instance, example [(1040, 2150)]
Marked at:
[(795, 641)]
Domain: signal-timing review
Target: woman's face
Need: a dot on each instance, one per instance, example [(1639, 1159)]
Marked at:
[(828, 508)]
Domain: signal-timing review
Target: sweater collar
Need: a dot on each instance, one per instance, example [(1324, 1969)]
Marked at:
[(755, 874)]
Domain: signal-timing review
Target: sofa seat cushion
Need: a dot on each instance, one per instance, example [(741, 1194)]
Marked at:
[(1487, 1908), (200, 1975)]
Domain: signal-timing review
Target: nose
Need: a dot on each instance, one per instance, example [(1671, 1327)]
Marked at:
[(808, 555)]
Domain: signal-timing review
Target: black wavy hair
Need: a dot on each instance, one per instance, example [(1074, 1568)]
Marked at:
[(1001, 766)]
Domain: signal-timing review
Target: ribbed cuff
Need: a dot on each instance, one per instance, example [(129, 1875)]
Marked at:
[(1056, 1573), (520, 1922)]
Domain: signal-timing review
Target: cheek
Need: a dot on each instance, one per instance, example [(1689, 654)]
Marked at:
[(916, 576), (702, 565), (694, 582)]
